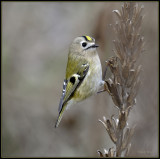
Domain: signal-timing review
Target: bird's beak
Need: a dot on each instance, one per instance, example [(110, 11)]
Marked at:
[(92, 46), (96, 45)]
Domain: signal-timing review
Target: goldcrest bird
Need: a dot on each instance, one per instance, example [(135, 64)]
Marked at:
[(83, 74)]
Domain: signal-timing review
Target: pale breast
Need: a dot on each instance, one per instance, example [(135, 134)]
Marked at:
[(92, 81)]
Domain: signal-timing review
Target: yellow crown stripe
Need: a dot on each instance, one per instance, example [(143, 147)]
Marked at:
[(88, 38)]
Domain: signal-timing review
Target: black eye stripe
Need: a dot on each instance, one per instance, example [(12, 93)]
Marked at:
[(72, 80)]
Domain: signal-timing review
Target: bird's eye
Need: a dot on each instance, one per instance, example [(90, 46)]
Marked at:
[(84, 44)]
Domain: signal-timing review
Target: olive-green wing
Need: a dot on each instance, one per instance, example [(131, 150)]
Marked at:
[(72, 83), (74, 76)]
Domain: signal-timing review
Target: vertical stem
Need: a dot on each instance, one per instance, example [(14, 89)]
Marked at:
[(128, 46)]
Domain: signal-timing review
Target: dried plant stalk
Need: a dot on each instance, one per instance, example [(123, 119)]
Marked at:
[(124, 83)]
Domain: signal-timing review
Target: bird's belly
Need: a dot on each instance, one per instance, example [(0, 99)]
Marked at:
[(90, 84)]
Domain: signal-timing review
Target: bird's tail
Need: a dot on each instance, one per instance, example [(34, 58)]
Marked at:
[(59, 118)]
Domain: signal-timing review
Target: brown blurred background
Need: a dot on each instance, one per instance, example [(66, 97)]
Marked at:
[(35, 41)]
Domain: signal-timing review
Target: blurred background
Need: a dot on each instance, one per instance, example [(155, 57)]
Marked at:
[(35, 41)]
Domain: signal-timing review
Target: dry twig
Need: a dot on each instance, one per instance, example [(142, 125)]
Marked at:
[(124, 83)]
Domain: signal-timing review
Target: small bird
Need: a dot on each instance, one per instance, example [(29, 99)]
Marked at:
[(83, 74)]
